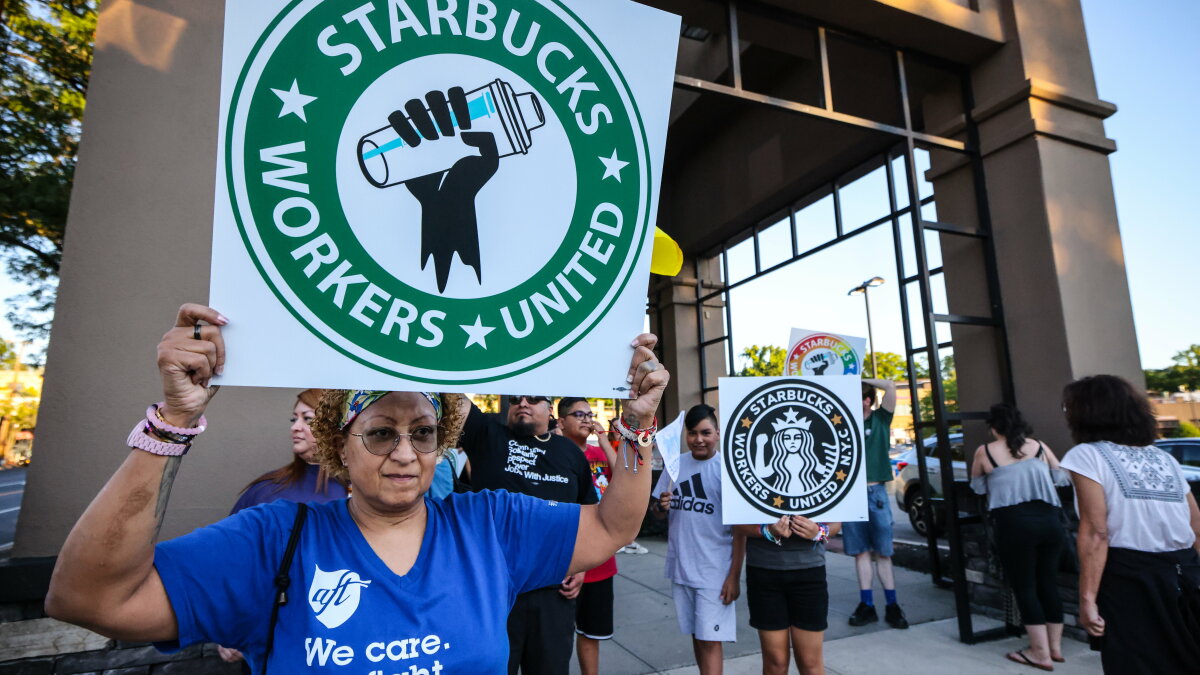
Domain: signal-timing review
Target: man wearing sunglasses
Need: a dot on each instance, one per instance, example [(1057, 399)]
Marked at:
[(522, 456)]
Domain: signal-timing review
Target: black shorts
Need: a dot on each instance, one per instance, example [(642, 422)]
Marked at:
[(594, 610), (782, 598)]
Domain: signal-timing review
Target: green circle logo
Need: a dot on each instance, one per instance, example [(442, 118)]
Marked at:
[(448, 192)]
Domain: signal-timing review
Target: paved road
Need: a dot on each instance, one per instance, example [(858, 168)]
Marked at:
[(903, 530), (12, 486)]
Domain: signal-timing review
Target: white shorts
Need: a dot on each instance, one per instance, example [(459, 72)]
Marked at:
[(702, 614)]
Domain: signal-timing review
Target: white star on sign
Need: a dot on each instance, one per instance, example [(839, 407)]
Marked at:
[(293, 101), (477, 333), (613, 166)]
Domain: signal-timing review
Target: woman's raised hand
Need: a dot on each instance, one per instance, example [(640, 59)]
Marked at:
[(188, 356), (647, 380)]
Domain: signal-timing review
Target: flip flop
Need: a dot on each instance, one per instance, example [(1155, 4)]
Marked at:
[(1058, 660), (1019, 657)]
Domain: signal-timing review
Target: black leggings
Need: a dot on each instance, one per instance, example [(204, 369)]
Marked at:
[(1029, 541)]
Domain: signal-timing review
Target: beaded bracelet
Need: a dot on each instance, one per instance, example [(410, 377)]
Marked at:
[(765, 531), (642, 437), (822, 533)]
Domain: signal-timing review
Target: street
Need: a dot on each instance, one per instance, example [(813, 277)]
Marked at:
[(12, 487)]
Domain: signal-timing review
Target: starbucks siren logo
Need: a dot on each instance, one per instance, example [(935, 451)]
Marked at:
[(822, 354), (447, 192), (792, 447)]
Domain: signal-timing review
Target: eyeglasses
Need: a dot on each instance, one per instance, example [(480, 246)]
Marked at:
[(533, 400), (382, 441), (582, 416)]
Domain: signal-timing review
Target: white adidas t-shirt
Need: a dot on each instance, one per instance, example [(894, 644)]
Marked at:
[(1145, 491), (699, 547)]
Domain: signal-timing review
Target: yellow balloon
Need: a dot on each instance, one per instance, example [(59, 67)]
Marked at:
[(667, 258)]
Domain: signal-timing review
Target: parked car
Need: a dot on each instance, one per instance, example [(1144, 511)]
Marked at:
[(908, 481), (1187, 451), (897, 452)]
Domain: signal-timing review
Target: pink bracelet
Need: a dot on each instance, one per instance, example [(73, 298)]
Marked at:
[(141, 440), (156, 421)]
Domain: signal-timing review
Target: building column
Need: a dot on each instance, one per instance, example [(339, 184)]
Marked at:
[(1061, 267), (137, 247), (674, 319)]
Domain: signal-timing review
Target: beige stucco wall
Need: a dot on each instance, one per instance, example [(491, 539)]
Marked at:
[(137, 247)]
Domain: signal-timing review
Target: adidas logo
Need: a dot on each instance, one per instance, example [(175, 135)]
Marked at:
[(690, 496)]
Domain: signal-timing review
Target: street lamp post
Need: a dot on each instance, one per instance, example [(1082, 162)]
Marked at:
[(863, 288)]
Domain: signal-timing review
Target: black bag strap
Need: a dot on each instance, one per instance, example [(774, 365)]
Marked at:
[(282, 581)]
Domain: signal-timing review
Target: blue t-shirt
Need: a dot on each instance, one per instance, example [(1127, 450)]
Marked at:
[(305, 490), (347, 612)]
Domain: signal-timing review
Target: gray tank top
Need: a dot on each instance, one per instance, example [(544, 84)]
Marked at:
[(1024, 481), (796, 553)]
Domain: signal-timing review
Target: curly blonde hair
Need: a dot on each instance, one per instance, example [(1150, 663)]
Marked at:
[(326, 429)]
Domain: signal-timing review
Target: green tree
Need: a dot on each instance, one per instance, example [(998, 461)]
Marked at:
[(1187, 430), (1184, 375), (43, 87), (762, 360), (949, 390), (892, 366)]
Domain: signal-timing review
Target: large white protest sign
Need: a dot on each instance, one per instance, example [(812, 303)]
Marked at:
[(818, 353), (792, 445), (449, 195)]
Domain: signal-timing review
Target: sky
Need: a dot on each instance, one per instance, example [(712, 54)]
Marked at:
[(1145, 62)]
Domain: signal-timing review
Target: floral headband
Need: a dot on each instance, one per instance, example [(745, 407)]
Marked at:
[(357, 401)]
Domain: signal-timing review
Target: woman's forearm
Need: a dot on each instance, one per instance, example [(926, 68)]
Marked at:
[(624, 503), (739, 554), (109, 554), (1093, 553)]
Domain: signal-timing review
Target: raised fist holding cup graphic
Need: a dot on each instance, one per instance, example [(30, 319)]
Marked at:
[(445, 179)]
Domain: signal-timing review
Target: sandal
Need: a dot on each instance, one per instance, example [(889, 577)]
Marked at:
[(1019, 657), (1058, 659)]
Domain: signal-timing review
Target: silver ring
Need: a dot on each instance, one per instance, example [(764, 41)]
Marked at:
[(196, 332)]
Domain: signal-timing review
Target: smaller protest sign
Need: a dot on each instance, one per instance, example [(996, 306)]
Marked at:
[(669, 439), (792, 446), (819, 353)]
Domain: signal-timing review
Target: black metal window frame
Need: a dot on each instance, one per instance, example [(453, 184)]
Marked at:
[(908, 143)]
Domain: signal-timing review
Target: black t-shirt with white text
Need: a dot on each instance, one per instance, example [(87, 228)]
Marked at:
[(554, 469)]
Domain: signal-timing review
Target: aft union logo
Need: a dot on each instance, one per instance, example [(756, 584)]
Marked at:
[(333, 596), (792, 448)]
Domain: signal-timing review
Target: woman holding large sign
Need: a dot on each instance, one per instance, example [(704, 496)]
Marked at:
[(356, 582)]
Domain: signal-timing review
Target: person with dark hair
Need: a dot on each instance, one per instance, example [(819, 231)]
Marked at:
[(787, 591), (387, 573), (594, 604), (1139, 533), (862, 539), (302, 479), (704, 556), (523, 456), (1018, 474)]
